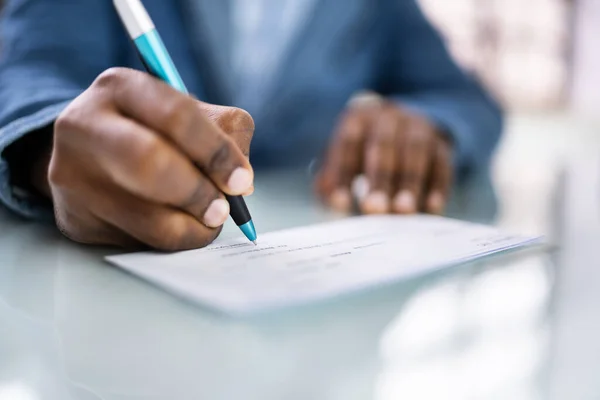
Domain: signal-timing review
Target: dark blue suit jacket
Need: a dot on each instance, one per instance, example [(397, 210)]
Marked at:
[(52, 50)]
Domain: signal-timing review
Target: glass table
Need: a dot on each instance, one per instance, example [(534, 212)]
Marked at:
[(522, 325)]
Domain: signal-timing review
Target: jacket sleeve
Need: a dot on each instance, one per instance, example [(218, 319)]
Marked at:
[(50, 52), (422, 76)]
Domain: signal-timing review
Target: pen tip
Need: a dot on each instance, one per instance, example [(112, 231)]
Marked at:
[(254, 241)]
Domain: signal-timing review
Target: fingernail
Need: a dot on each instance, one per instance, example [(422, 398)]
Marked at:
[(340, 199), (217, 213), (436, 203), (405, 202), (376, 203), (240, 181)]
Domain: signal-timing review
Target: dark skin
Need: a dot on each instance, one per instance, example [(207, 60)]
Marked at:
[(131, 170), (128, 170), (405, 159)]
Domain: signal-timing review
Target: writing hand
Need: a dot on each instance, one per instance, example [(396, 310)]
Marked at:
[(137, 162)]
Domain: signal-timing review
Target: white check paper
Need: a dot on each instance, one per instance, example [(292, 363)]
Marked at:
[(302, 265)]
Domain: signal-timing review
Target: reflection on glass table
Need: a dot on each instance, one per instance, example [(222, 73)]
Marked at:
[(72, 327)]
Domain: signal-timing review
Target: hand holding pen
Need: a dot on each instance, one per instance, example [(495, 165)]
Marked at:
[(136, 161), (128, 166), (157, 62)]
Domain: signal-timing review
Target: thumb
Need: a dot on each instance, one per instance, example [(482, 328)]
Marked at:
[(235, 122)]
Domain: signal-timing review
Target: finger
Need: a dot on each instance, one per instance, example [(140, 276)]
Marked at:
[(344, 161), (149, 167), (440, 180), (235, 122), (415, 148), (157, 226), (178, 118), (380, 160)]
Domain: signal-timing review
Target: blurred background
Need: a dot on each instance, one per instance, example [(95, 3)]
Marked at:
[(539, 58), (538, 55), (535, 55)]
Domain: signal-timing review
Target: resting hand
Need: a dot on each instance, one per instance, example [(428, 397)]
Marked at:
[(406, 161)]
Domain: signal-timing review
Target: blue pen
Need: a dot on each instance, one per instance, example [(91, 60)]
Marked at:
[(158, 62)]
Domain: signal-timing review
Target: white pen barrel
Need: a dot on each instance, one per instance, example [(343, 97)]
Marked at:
[(134, 17)]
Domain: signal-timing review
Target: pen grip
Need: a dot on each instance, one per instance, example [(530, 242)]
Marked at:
[(158, 63), (238, 210)]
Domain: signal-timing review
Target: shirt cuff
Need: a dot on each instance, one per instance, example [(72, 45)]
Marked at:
[(16, 199)]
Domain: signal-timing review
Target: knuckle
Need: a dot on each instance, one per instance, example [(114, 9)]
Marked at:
[(110, 78), (350, 116), (351, 119), (351, 132), (387, 128), (147, 146), (400, 113), (236, 120), (67, 120), (239, 125)]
